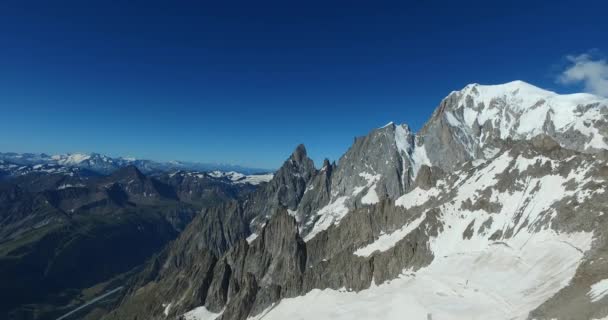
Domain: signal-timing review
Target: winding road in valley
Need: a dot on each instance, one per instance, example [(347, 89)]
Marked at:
[(94, 300)]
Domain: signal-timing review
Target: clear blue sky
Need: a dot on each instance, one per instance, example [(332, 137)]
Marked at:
[(245, 82)]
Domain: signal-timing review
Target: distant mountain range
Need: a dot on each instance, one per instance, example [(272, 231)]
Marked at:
[(103, 164)]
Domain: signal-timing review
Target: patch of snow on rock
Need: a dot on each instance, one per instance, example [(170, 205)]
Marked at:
[(167, 308), (387, 241), (252, 237), (419, 158), (416, 197), (598, 290), (201, 313), (328, 215), (371, 196)]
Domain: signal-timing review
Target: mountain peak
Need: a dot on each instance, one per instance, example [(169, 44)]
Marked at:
[(390, 124), (520, 94), (298, 163), (129, 171), (326, 163), (480, 115), (528, 92), (299, 153), (515, 84)]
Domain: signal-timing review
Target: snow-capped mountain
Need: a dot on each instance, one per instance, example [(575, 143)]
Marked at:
[(495, 209), (237, 177), (230, 177), (496, 239), (105, 165), (520, 111), (471, 124), (12, 169)]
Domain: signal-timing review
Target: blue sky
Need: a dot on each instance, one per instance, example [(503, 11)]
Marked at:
[(245, 82)]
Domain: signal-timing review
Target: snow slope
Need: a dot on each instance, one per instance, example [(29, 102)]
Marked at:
[(498, 282), (201, 313)]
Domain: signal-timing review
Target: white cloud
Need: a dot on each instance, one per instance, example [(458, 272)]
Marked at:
[(592, 73)]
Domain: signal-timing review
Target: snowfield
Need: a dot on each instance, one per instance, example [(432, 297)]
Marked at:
[(387, 241), (498, 282), (201, 313)]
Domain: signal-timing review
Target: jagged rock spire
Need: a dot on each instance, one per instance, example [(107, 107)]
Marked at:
[(299, 154)]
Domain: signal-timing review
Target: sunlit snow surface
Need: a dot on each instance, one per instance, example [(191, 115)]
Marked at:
[(498, 282), (201, 313), (387, 241), (333, 212), (415, 154), (330, 214), (521, 109), (371, 196), (238, 177), (598, 290)]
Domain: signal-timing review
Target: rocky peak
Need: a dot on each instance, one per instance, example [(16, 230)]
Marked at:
[(299, 154), (378, 165), (326, 163), (285, 190), (297, 165), (138, 186), (128, 172)]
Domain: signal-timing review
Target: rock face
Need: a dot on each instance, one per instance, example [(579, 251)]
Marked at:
[(221, 231), (427, 224), (285, 190)]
